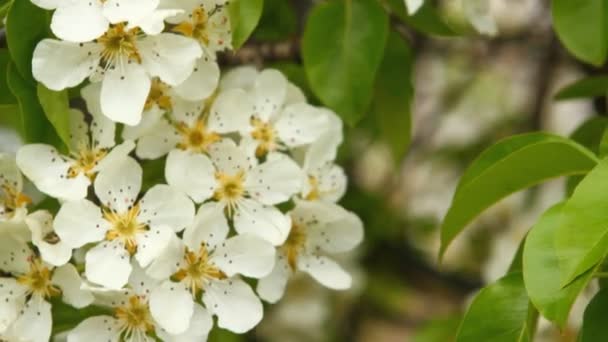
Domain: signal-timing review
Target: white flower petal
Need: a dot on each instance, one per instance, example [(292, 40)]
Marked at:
[(231, 112), (294, 94), (272, 287), (210, 226), (9, 172), (167, 262), (332, 183), (140, 281), (128, 78), (234, 303), (191, 173), (108, 264), (96, 329), (14, 254), (149, 120), (12, 298), (269, 93), (202, 82), (68, 279), (266, 222), (163, 205), (229, 158), (158, 141), (79, 21), (40, 224), (413, 6), (80, 222), (300, 124), (79, 130), (325, 271), (325, 148), (126, 10), (43, 165), (59, 65), (117, 186), (152, 243), (169, 56), (172, 307), (242, 77), (34, 324), (50, 4), (274, 181), (199, 327), (116, 156), (478, 12), (154, 22), (187, 112), (245, 254)]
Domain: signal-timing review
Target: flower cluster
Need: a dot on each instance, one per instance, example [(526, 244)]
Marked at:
[(250, 194)]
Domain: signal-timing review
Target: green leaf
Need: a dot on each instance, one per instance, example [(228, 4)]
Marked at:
[(511, 165), (499, 313), (603, 148), (582, 26), (594, 327), (278, 21), (32, 121), (541, 270), (56, 107), (66, 317), (6, 97), (588, 134), (394, 94), (587, 87), (26, 25), (582, 238), (342, 49), (244, 17)]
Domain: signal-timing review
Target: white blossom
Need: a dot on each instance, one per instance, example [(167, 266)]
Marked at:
[(124, 226), (318, 229), (13, 202)]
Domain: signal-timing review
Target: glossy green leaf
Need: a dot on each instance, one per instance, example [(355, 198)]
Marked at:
[(541, 270), (582, 238), (342, 49), (499, 313), (438, 330), (32, 121), (66, 317), (588, 134), (594, 327), (244, 17), (587, 87), (26, 25), (582, 26), (511, 165), (56, 107), (6, 96), (393, 95), (603, 146)]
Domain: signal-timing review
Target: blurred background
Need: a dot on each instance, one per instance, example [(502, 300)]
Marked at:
[(470, 91)]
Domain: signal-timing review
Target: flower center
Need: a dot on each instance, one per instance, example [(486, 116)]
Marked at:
[(118, 42), (125, 227), (295, 243), (135, 317), (38, 280), (315, 192), (231, 188), (11, 200), (196, 138), (196, 27), (86, 160), (158, 95), (266, 136), (197, 270)]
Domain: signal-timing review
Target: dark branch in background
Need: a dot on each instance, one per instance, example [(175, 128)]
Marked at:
[(260, 53), (3, 38), (544, 77)]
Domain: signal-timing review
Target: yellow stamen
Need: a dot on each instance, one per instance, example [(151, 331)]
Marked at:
[(158, 95), (86, 160), (196, 27), (12, 199), (315, 192), (119, 42), (231, 189), (197, 270), (196, 138), (38, 280), (125, 227), (294, 245), (135, 316), (266, 136)]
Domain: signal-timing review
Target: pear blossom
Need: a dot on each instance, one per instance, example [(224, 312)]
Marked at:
[(68, 177), (413, 6), (124, 60), (26, 285), (134, 318), (13, 202), (51, 248), (81, 21), (207, 265), (244, 190), (123, 227), (318, 229), (269, 120)]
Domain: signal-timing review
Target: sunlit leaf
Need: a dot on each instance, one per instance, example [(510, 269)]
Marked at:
[(244, 17), (587, 87), (56, 108)]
